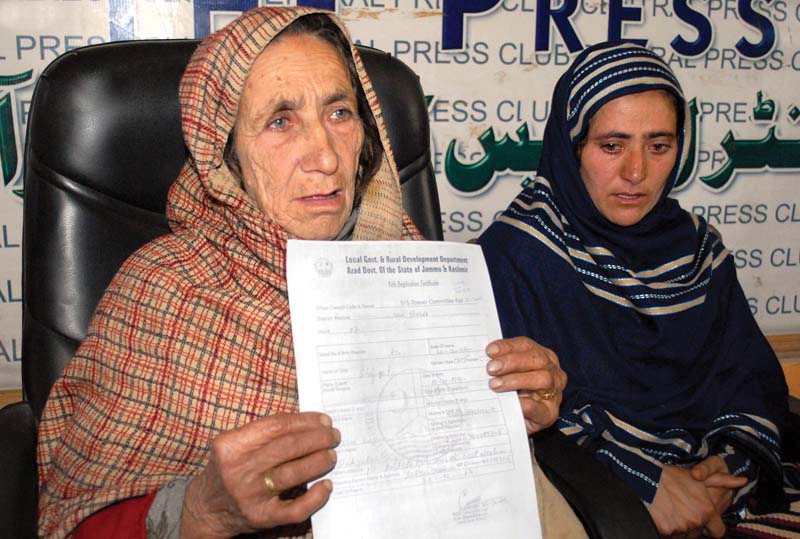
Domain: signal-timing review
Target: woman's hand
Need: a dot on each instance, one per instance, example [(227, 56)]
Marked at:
[(686, 506), (533, 371), (248, 467), (720, 485)]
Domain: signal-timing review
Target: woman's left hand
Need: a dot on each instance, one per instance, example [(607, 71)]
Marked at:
[(520, 364)]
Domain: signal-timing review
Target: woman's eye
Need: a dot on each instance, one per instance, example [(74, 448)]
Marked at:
[(661, 147), (279, 123), (341, 114), (611, 147)]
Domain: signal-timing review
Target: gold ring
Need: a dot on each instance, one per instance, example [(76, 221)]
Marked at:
[(270, 484), (546, 394)]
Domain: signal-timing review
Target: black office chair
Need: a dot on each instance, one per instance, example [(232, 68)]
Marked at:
[(103, 146)]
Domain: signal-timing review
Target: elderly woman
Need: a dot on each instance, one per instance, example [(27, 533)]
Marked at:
[(178, 413), (672, 384)]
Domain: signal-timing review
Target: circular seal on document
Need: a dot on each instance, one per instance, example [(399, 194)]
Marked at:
[(419, 415), (323, 266)]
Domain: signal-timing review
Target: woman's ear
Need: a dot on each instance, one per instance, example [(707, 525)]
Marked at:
[(231, 158)]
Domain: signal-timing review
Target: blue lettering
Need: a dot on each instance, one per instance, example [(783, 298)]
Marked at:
[(779, 304), (14, 356), (453, 13), (455, 218), (329, 5), (725, 6), (203, 9), (120, 20), (438, 162), (733, 214), (617, 14), (743, 258), (504, 117), (593, 7), (49, 43), (518, 6), (560, 17), (475, 217), (784, 258), (662, 5), (520, 55), (6, 242), (9, 296), (545, 113), (432, 52), (25, 43), (54, 45), (787, 213), (763, 25), (717, 157), (780, 8), (24, 109), (704, 31), (459, 221), (459, 111)]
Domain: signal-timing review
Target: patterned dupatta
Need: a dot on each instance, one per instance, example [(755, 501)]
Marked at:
[(193, 335)]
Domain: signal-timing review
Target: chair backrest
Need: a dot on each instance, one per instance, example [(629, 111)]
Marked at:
[(104, 144)]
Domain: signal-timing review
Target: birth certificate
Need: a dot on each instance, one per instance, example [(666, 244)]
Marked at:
[(389, 340)]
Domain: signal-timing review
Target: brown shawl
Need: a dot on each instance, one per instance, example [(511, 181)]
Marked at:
[(193, 336)]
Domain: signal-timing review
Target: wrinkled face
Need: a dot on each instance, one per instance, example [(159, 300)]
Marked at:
[(298, 136), (629, 152)]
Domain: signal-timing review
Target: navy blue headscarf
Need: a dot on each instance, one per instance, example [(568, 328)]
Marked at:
[(648, 320)]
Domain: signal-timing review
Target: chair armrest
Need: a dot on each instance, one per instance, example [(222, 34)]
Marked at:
[(18, 476), (603, 502)]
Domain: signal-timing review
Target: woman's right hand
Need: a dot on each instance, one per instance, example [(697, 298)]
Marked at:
[(231, 495), (690, 502)]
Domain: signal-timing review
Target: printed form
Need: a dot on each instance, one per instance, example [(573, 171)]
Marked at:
[(389, 341)]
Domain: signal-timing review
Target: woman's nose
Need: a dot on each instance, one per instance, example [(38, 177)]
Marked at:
[(319, 154), (634, 167)]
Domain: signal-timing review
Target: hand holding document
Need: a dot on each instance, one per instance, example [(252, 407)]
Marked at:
[(389, 339)]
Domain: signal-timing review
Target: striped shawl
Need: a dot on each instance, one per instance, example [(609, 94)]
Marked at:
[(665, 361)]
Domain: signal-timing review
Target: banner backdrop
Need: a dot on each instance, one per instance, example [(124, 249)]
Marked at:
[(488, 68)]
